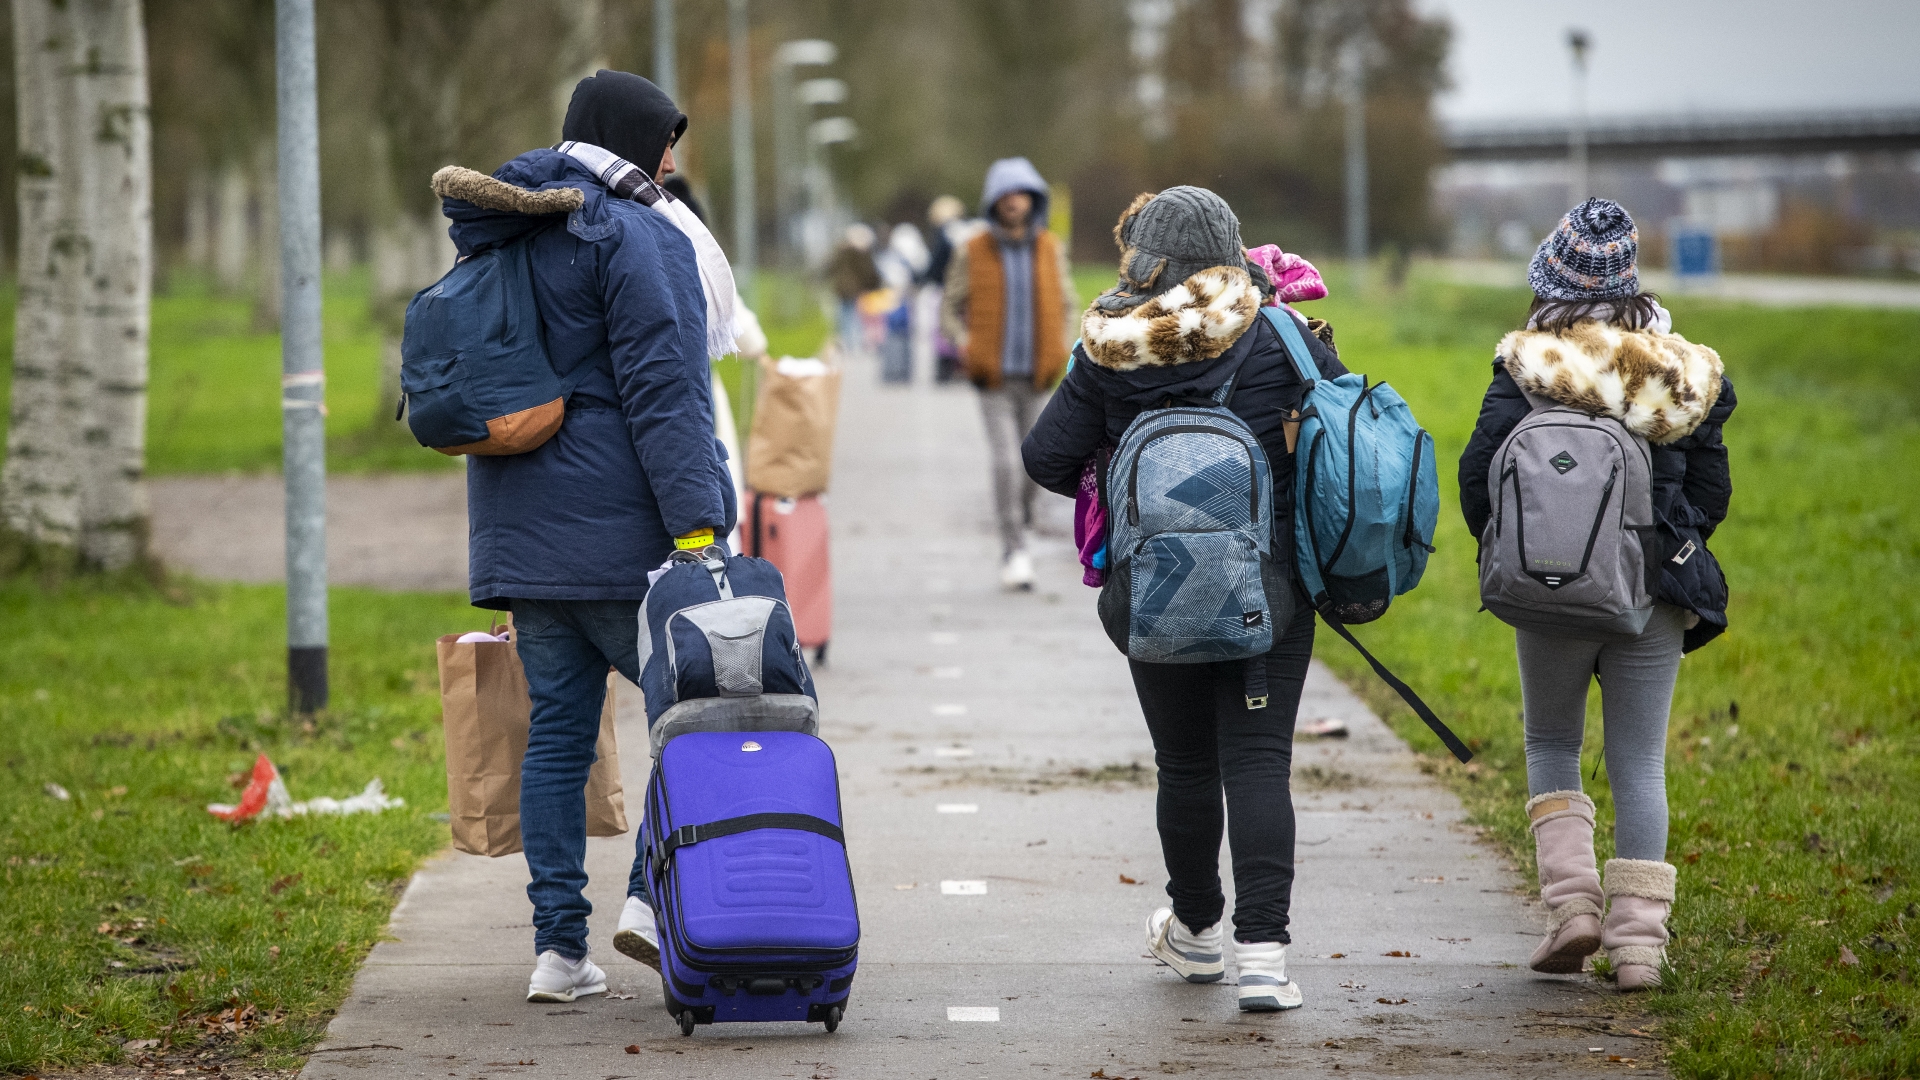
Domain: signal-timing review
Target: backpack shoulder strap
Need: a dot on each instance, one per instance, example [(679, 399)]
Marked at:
[(1282, 320)]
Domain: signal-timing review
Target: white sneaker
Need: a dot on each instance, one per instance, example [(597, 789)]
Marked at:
[(558, 979), (1264, 986), (1016, 573), (637, 936), (1193, 957)]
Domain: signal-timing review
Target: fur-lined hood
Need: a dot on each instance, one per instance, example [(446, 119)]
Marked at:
[(1198, 319), (454, 182), (1661, 386)]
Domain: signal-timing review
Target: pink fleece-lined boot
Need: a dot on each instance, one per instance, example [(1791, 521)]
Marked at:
[(1562, 823), (1639, 895)]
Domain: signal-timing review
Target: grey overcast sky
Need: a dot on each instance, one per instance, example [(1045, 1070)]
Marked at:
[(1510, 58)]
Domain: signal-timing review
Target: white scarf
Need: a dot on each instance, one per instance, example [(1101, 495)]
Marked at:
[(629, 181)]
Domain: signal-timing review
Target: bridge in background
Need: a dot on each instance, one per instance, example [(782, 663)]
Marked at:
[(1646, 137)]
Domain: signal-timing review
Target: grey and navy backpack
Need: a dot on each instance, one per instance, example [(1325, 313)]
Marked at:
[(1190, 539), (718, 651), (1566, 550)]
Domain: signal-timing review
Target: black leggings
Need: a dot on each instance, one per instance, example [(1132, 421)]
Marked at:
[(1204, 738)]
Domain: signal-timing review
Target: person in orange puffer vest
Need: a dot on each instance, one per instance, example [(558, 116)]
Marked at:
[(1011, 308)]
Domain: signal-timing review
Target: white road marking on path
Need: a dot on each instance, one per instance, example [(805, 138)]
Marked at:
[(953, 751), (943, 637), (950, 709), (963, 888), (957, 808), (939, 585), (946, 672), (940, 609), (983, 1013)]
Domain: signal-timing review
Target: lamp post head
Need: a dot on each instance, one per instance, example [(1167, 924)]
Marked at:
[(1579, 42), (810, 51)]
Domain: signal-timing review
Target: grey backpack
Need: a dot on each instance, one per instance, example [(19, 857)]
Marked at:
[(1565, 552)]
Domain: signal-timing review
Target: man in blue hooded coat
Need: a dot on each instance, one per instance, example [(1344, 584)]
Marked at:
[(563, 535)]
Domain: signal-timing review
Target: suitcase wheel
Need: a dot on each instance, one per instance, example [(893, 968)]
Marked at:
[(833, 1019), (686, 1022)]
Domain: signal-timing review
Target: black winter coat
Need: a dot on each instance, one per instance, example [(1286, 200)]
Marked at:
[(1692, 487), (1094, 405)]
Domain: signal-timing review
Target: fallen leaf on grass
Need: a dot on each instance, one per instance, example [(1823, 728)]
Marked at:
[(1390, 1001), (1125, 880), (1621, 1060), (281, 885), (132, 1045), (1847, 957)]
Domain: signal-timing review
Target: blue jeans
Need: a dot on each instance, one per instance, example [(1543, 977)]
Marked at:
[(566, 647)]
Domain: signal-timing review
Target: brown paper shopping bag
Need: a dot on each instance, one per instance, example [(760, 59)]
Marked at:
[(485, 710), (790, 448)]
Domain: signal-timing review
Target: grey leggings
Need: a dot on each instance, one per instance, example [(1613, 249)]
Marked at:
[(1636, 692)]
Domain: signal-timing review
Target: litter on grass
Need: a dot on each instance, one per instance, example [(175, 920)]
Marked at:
[(55, 791), (266, 794)]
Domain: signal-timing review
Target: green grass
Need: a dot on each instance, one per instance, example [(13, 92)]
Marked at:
[(1794, 753), (142, 703), (213, 401)]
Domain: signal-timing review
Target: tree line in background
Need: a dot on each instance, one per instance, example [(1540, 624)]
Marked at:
[(1248, 103), (150, 135)]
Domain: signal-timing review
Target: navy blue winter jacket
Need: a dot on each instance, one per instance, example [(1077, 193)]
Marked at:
[(585, 516)]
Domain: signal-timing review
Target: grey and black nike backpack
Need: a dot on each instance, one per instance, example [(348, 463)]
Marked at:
[(1566, 552)]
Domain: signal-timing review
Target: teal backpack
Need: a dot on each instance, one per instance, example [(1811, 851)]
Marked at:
[(1366, 501)]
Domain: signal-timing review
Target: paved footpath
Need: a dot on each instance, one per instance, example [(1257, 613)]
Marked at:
[(993, 739)]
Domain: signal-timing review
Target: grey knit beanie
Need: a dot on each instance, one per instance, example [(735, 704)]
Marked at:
[(1166, 238), (1589, 256)]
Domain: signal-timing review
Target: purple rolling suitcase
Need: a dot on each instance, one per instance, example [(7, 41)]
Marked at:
[(749, 875)]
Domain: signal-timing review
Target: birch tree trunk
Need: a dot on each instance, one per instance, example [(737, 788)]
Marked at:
[(76, 448)]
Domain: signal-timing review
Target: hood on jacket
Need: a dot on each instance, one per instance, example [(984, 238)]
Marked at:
[(1661, 386), (1008, 175), (1198, 319), (626, 114), (520, 196)]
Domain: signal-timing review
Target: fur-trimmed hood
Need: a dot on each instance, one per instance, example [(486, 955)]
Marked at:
[(1198, 319), (454, 182), (1661, 386)]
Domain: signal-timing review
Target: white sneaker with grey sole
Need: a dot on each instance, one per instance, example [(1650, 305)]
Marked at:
[(638, 937), (1016, 571), (1264, 986), (1193, 957), (558, 979)]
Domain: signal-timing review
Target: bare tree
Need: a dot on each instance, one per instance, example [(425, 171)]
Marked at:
[(76, 447)]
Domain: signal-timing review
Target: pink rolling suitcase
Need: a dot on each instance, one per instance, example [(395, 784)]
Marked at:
[(792, 534)]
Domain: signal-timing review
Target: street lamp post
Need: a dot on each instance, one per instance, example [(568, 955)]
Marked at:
[(1578, 42), (1356, 94), (746, 254), (790, 153), (302, 375), (665, 75)]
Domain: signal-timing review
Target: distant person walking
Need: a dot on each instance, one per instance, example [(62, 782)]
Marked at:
[(851, 274), (949, 228), (564, 535), (1604, 352), (1183, 325), (1010, 307)]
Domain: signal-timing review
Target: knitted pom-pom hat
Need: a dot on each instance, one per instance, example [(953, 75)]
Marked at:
[(1589, 256)]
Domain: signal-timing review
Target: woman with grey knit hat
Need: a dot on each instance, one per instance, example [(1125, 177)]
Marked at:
[(1594, 343), (1182, 321)]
